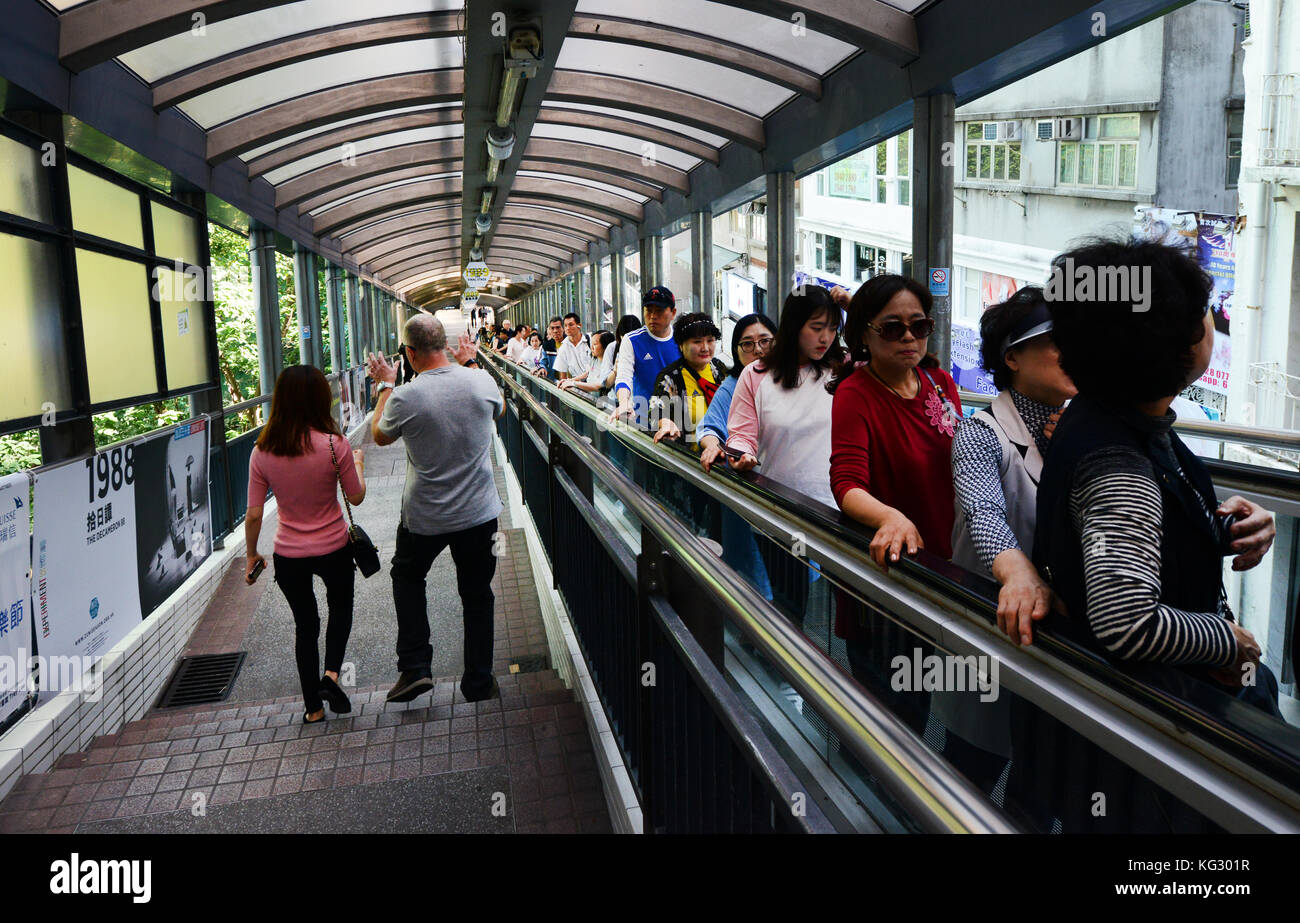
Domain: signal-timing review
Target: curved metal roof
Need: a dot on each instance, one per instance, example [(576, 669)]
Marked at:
[(356, 114), (369, 119)]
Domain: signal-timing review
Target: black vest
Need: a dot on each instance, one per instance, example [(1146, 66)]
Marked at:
[(1191, 546)]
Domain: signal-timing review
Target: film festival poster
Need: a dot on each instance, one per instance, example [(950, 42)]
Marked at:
[(84, 591), (173, 522)]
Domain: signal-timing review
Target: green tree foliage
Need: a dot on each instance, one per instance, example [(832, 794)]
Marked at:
[(232, 287), (117, 425), (19, 451)]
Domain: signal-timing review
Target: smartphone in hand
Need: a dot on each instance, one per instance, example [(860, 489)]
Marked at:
[(257, 570)]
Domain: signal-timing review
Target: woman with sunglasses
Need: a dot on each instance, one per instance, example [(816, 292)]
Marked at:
[(893, 421)]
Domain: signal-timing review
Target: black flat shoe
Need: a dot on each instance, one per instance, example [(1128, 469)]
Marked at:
[(409, 685), (335, 696), (319, 720), (492, 692)]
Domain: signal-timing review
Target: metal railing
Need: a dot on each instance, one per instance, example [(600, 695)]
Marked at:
[(1239, 771), (631, 622)]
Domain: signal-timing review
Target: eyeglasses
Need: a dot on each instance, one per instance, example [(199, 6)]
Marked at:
[(892, 330), (748, 346)]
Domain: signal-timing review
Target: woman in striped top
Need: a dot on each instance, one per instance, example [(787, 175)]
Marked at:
[(1129, 531)]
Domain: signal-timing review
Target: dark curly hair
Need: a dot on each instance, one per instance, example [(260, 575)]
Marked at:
[(689, 326), (867, 302), (1128, 350), (996, 324), (801, 306)]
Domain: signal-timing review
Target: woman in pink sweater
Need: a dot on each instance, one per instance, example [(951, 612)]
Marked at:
[(302, 457), (780, 422)]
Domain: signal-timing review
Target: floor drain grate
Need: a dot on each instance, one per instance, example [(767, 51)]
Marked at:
[(202, 680), (535, 663)]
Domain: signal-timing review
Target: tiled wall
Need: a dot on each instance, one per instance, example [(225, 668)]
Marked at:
[(133, 673)]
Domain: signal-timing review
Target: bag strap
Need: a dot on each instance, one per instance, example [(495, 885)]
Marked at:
[(352, 527)]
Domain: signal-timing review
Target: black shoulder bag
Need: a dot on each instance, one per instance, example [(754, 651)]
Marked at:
[(364, 551)]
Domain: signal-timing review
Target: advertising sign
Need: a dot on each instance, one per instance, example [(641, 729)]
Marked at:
[(476, 274), (1211, 239), (15, 593), (173, 523), (469, 298), (965, 352), (739, 294), (87, 597), (115, 535)]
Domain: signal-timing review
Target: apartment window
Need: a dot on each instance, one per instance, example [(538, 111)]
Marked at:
[(1234, 147), (821, 182), (992, 151), (868, 262), (826, 253), (1106, 158)]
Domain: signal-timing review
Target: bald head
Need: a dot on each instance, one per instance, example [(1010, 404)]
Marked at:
[(424, 334)]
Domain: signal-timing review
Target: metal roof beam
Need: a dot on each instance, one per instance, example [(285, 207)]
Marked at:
[(660, 101), (702, 47), (371, 163), (95, 32), (360, 97), (175, 89)]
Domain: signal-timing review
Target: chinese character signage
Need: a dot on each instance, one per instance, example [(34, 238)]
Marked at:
[(15, 593)]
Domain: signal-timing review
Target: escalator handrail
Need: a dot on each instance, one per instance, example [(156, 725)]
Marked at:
[(938, 797), (1052, 669)]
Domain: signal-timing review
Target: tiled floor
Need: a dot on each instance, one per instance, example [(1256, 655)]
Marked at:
[(190, 770)]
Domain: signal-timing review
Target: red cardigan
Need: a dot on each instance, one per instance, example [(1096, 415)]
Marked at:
[(899, 451)]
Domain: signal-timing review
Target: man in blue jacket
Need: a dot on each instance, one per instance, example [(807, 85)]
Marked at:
[(643, 354)]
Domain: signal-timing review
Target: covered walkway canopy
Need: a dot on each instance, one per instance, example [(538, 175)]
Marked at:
[(399, 138)]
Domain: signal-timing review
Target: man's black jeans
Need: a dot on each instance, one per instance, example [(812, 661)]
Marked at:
[(471, 549), (294, 575)]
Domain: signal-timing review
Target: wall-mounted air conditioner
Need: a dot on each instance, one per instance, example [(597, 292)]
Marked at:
[(1067, 129)]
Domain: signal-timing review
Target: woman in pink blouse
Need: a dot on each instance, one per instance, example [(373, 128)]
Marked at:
[(302, 457), (780, 422)]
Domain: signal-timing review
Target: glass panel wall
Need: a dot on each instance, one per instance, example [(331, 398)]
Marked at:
[(117, 327), (104, 208), (34, 367)]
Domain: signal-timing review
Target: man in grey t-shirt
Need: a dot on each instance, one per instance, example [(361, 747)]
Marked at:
[(445, 416)]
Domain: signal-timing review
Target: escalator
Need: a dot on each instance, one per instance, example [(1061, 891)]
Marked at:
[(839, 663)]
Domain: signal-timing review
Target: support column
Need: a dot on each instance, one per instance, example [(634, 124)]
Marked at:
[(780, 240), (307, 297), (702, 263), (334, 308), (584, 313), (618, 288), (597, 297), (652, 261), (266, 305), (934, 119), (356, 350)]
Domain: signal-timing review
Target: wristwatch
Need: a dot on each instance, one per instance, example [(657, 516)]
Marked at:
[(383, 386), (469, 363)]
